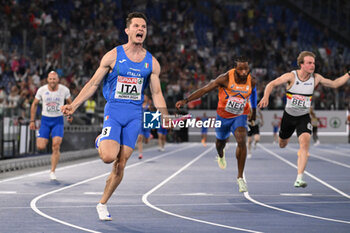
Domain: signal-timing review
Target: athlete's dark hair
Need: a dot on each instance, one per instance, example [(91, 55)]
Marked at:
[(240, 59), (135, 15)]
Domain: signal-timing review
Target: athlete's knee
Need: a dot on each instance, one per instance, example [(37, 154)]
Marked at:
[(241, 144), (282, 144), (107, 157), (241, 140), (41, 147), (41, 143), (220, 143), (56, 147), (257, 138), (303, 153)]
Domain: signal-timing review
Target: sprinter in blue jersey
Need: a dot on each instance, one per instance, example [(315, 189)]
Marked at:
[(125, 71), (145, 133)]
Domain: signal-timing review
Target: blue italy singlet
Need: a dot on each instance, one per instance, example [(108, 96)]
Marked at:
[(127, 81), (123, 89)]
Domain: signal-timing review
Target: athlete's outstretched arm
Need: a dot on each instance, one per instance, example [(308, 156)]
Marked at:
[(92, 85), (285, 78), (220, 81), (332, 83), (156, 90)]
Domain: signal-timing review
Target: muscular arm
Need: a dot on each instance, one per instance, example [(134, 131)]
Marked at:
[(33, 109), (220, 81), (285, 78), (332, 83), (92, 85), (156, 90)]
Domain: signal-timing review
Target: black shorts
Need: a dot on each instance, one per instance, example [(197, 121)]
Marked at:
[(252, 130), (302, 124)]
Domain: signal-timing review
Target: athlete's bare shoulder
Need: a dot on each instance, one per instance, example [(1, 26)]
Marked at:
[(155, 66), (109, 58), (288, 77), (222, 79), (318, 78)]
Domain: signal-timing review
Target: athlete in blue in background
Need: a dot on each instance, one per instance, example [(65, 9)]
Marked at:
[(126, 71), (145, 133), (162, 132), (52, 95)]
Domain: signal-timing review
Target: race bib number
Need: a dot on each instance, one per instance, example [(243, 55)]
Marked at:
[(300, 102), (105, 132), (235, 105), (52, 107), (129, 88)]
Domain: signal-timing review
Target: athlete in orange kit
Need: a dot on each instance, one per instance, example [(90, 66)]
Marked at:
[(235, 87)]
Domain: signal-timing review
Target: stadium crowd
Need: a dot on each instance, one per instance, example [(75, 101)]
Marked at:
[(193, 41)]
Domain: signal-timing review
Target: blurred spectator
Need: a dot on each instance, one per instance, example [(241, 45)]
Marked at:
[(3, 102), (193, 42), (13, 98), (3, 94), (24, 104), (90, 106)]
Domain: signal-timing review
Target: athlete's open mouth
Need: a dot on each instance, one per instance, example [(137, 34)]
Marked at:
[(139, 35)]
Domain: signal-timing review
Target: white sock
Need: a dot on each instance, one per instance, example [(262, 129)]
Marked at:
[(300, 176)]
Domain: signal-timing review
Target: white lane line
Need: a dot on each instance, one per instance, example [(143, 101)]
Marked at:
[(145, 197), (308, 173), (93, 193), (63, 168), (333, 152), (197, 194), (324, 159), (294, 212), (47, 171), (8, 192), (92, 206), (246, 194), (296, 194), (35, 200)]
